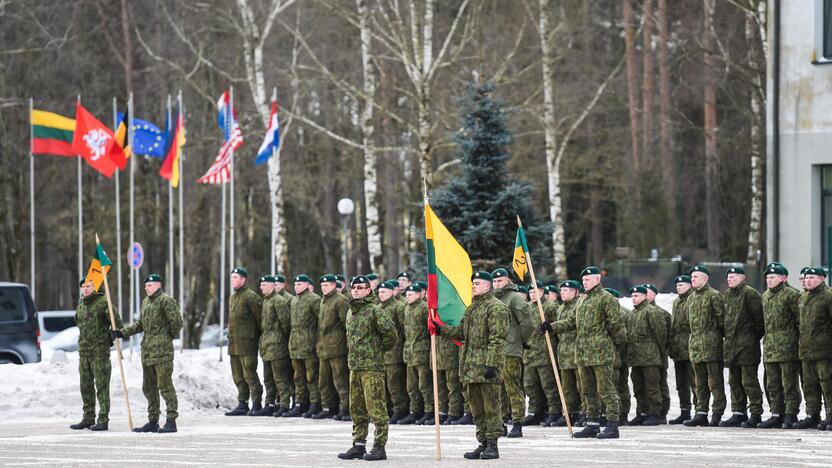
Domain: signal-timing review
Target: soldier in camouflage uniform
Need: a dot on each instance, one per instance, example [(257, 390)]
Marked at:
[(244, 318), (417, 358), (269, 383), (274, 341), (394, 367), (652, 292), (741, 352), (780, 349), (567, 366), (92, 317), (538, 376), (647, 334), (280, 288), (519, 331), (483, 329), (678, 349), (370, 333), (305, 310), (333, 375), (621, 367), (599, 330), (815, 348), (450, 388), (706, 315), (161, 322)]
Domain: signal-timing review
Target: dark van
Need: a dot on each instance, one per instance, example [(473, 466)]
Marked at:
[(19, 331)]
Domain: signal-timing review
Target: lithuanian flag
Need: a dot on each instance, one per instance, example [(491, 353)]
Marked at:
[(99, 266), (521, 250), (52, 134), (449, 272)]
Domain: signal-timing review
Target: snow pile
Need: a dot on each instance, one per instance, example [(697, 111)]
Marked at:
[(665, 301)]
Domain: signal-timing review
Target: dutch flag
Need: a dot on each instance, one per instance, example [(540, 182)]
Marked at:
[(272, 140)]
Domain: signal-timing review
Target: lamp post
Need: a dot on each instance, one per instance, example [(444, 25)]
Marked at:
[(346, 207)]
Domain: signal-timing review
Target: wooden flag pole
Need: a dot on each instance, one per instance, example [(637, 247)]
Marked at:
[(117, 343), (548, 339), (432, 314)]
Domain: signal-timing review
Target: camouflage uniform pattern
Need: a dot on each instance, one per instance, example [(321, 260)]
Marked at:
[(417, 357), (450, 388), (93, 320), (780, 349), (647, 338), (244, 319), (566, 358), (274, 348), (538, 376), (621, 370), (678, 351), (815, 347), (302, 340), (519, 331), (333, 375), (744, 327), (664, 388), (394, 368), (706, 315)]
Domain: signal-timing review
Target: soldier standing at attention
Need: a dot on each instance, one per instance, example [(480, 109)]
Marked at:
[(269, 379), (652, 292), (646, 334), (678, 349), (332, 352), (567, 366), (417, 358), (538, 376), (706, 313), (93, 320), (274, 340), (621, 367), (244, 317), (599, 330), (370, 332), (744, 329), (520, 329), (815, 348), (450, 388), (305, 310), (280, 287), (394, 367), (161, 321), (483, 329)]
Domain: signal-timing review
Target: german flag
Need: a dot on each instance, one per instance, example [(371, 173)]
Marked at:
[(121, 137), (52, 134)]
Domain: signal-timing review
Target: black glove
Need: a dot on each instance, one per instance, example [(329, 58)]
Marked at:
[(116, 334), (490, 372), (545, 326), (526, 346), (437, 326)]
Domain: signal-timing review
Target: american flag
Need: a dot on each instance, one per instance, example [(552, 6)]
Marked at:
[(220, 171)]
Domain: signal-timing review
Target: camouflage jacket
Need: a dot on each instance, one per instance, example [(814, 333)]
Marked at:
[(304, 335), (93, 320), (706, 315), (447, 354), (782, 324), (286, 295), (483, 329), (520, 327), (538, 353), (416, 336), (370, 332), (161, 322), (275, 327), (566, 339), (621, 348), (646, 336), (744, 326), (599, 328), (395, 310), (668, 324), (245, 309), (332, 334), (815, 308), (680, 329)]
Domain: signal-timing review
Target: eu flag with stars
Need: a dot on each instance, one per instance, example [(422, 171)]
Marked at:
[(148, 140)]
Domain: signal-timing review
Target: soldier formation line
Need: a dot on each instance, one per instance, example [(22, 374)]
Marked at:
[(362, 354)]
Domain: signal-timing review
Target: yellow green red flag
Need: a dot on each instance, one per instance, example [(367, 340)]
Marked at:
[(449, 272)]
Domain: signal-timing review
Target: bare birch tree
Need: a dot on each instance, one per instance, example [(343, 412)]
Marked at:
[(755, 35), (712, 208)]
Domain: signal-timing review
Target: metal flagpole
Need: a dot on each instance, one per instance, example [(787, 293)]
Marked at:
[(222, 268), (181, 230), (134, 292), (171, 267), (32, 279), (118, 217), (231, 259), (274, 211), (80, 217)]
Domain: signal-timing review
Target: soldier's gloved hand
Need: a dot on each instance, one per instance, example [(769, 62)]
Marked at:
[(526, 346), (116, 334), (490, 372), (545, 326), (437, 326)]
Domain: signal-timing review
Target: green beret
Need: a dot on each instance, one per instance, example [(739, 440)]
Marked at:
[(614, 292), (267, 279), (651, 287), (153, 278), (571, 284), (736, 270), (682, 279), (780, 265), (303, 278), (240, 271), (590, 270), (523, 289), (328, 278), (340, 277), (83, 281), (639, 288), (776, 270), (393, 282), (360, 279), (482, 275), (499, 273), (386, 285), (700, 268), (371, 276), (422, 285), (405, 274), (279, 279), (536, 283), (820, 271), (414, 288), (804, 270)]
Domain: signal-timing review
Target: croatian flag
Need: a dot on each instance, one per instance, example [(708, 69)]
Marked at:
[(272, 140)]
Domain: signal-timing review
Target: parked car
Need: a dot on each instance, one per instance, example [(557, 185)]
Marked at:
[(52, 322), (19, 331)]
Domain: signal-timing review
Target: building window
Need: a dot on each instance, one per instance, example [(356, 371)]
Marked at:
[(826, 214)]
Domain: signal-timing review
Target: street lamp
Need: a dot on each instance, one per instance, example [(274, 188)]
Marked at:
[(346, 207)]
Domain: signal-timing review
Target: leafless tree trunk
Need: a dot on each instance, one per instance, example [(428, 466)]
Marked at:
[(755, 37), (647, 86), (128, 45), (632, 80), (712, 208), (665, 125)]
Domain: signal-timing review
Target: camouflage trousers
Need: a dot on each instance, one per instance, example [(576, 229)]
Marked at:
[(450, 392), (484, 400), (515, 397), (158, 379), (745, 389), (817, 381), (396, 379), (277, 377), (420, 389), (306, 381), (569, 380), (94, 376), (244, 374), (539, 383), (664, 389), (621, 376), (685, 383), (367, 404), (334, 383), (709, 382), (783, 387), (597, 388), (647, 389)]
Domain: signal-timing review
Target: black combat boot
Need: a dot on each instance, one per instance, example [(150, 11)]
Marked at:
[(683, 416), (622, 419), (638, 420), (609, 432), (602, 421), (579, 421), (450, 420), (651, 420), (716, 419), (752, 421), (376, 454), (82, 425), (314, 409), (410, 418), (398, 416), (297, 411), (170, 426), (491, 452), (662, 418), (256, 408), (825, 425), (475, 454), (590, 431), (809, 422), (326, 414), (551, 418), (465, 420), (151, 426), (99, 427), (429, 420), (774, 421), (357, 451), (240, 410), (278, 412), (267, 410), (516, 431), (789, 421), (735, 420), (344, 415), (534, 419), (443, 418), (505, 430), (699, 420)]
